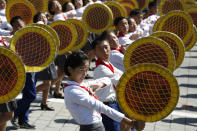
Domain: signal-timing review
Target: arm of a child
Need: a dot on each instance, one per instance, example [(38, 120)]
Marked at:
[(98, 83), (80, 97)]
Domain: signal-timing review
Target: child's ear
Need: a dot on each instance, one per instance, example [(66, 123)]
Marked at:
[(70, 69)]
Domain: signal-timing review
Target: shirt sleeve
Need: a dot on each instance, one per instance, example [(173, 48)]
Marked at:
[(81, 98), (117, 58), (105, 80), (4, 32), (102, 72)]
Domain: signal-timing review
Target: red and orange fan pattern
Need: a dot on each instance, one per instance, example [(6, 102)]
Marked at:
[(166, 6), (12, 75), (97, 18), (22, 8), (67, 35), (175, 43), (149, 50), (147, 92), (178, 22), (35, 46)]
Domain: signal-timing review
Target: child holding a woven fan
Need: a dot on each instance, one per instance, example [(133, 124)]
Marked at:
[(81, 102), (49, 75), (105, 69)]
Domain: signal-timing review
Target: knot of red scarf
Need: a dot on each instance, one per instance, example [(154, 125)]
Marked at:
[(117, 50), (120, 34), (83, 87), (100, 62)]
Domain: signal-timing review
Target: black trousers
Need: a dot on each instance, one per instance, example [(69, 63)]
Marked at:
[(93, 127)]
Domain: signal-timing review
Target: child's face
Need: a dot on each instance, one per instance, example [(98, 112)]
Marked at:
[(123, 26), (78, 74), (153, 10), (102, 51), (132, 25), (57, 7), (43, 18), (2, 4), (113, 40), (138, 18), (70, 6), (78, 3), (19, 24)]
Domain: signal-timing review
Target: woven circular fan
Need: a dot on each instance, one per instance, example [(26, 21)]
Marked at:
[(132, 2), (193, 14), (52, 32), (67, 35), (22, 8), (166, 6), (190, 4), (82, 34), (147, 92), (35, 46), (177, 22), (12, 75), (117, 9), (149, 50), (40, 5), (128, 7), (193, 39), (156, 25), (142, 4), (97, 18), (175, 43)]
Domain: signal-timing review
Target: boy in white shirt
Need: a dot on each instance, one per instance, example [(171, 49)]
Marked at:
[(122, 27), (105, 69), (117, 50), (137, 15)]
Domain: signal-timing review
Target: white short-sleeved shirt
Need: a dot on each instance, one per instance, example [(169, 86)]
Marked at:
[(108, 93), (116, 58)]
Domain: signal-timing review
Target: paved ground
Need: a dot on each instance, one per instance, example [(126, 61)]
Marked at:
[(183, 118)]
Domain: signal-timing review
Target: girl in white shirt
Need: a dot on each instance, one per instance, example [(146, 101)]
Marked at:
[(81, 101)]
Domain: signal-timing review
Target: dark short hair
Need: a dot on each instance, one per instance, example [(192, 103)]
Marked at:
[(118, 19), (14, 19), (50, 5), (75, 60), (36, 17), (152, 4), (64, 6), (135, 12), (98, 41), (106, 33)]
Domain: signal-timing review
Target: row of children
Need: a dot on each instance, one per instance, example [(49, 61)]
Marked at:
[(109, 48)]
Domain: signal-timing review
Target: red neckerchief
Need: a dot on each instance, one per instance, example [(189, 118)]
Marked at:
[(3, 43), (120, 34), (66, 85), (64, 16), (117, 50), (100, 62)]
